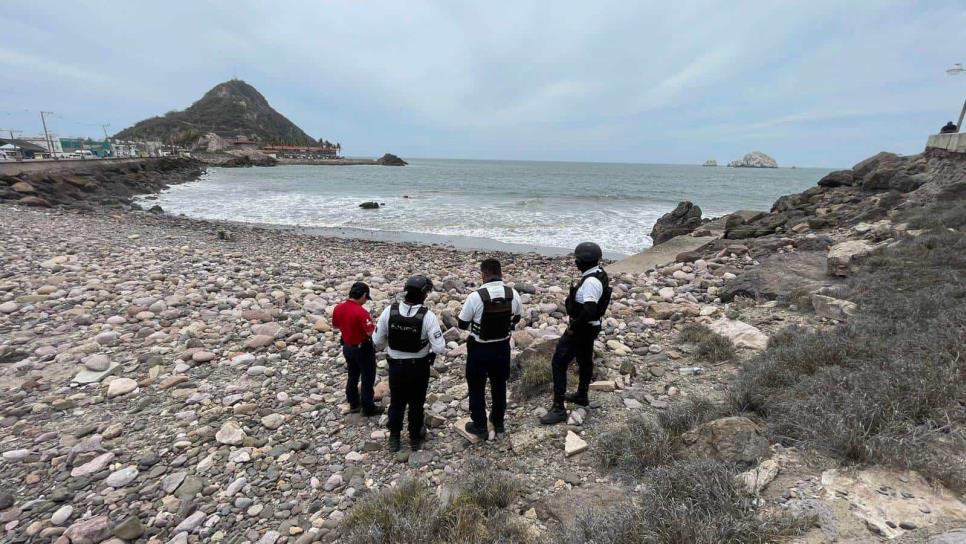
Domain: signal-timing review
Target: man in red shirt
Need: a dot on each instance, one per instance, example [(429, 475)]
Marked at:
[(356, 326)]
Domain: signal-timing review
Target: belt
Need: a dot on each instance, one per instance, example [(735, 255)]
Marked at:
[(359, 345)]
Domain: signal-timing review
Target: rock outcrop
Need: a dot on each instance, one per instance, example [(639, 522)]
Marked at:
[(103, 184), (731, 439), (684, 219), (391, 160), (755, 159)]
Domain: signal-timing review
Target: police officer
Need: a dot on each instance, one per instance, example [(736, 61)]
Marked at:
[(489, 314), (586, 304), (414, 338)]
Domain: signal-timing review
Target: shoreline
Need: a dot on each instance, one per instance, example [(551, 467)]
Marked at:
[(453, 242)]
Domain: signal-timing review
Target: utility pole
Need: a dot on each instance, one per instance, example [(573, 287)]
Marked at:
[(50, 143)]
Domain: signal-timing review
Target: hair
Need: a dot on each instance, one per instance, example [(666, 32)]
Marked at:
[(414, 296), (358, 290), (491, 267)]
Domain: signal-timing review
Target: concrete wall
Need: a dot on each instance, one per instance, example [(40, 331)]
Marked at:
[(950, 142), (12, 168)]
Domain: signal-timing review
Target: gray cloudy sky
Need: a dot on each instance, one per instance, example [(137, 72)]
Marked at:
[(821, 83)]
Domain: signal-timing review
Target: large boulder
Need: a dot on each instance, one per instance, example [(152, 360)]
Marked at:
[(565, 506), (838, 178), (684, 219), (741, 334), (842, 257), (391, 160), (731, 439), (755, 159), (833, 308), (780, 276), (873, 163)]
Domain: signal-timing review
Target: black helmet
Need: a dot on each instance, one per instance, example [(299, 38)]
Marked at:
[(588, 252), (419, 284)]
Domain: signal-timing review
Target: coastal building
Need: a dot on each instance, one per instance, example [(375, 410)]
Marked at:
[(302, 152), (243, 142), (86, 147)]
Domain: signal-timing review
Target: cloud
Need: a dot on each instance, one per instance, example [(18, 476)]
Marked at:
[(573, 80)]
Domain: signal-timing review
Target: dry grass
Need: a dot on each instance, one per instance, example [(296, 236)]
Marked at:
[(412, 512), (709, 345), (696, 502), (642, 443), (888, 386), (535, 379)]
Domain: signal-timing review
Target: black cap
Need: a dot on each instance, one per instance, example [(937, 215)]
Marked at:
[(588, 252)]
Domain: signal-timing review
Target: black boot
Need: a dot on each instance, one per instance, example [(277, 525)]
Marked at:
[(557, 414), (372, 411), (416, 440), (578, 398), (394, 444), (471, 428)]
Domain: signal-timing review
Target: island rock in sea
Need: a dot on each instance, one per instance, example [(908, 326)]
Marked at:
[(755, 159), (391, 160)]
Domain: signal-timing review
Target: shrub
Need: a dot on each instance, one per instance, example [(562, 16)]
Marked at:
[(634, 447), (710, 346), (685, 415), (486, 488), (642, 443), (535, 379), (886, 387), (690, 501), (411, 512)]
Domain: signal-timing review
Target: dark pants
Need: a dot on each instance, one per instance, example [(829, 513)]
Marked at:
[(487, 360), (408, 381), (579, 346), (360, 362)]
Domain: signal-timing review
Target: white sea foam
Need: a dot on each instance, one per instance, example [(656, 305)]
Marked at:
[(542, 204)]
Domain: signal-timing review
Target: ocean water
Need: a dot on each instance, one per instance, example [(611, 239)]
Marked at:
[(544, 204)]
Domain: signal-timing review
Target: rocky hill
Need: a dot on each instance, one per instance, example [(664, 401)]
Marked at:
[(230, 109)]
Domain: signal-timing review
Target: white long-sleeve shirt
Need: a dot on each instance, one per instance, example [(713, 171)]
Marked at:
[(431, 332), (472, 311)]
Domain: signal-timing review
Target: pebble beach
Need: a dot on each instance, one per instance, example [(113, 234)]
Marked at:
[(167, 377)]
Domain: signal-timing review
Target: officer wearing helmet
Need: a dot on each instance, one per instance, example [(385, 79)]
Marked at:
[(586, 304), (414, 338)]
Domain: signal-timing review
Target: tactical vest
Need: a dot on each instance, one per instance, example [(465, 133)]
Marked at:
[(406, 333), (573, 309), (497, 319)]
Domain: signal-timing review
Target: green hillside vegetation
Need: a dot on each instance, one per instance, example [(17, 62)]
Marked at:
[(230, 109)]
